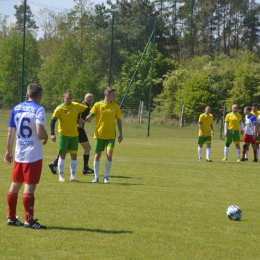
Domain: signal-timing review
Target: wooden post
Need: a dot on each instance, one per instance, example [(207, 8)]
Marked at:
[(140, 113), (182, 115)]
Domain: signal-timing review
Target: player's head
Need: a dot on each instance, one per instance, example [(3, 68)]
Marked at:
[(89, 99), (110, 93), (34, 92), (67, 97), (254, 107), (234, 108), (207, 110), (247, 110)]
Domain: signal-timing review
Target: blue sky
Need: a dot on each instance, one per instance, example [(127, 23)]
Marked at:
[(63, 4), (70, 3)]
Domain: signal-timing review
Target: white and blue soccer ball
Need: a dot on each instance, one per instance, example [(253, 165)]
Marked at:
[(234, 213)]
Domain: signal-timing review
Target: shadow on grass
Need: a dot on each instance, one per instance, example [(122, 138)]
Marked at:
[(93, 230)]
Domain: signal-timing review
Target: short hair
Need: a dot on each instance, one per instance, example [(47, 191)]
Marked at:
[(254, 105), (87, 96), (34, 90), (109, 89), (248, 108)]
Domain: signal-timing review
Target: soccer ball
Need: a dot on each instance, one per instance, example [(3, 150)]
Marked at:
[(234, 213)]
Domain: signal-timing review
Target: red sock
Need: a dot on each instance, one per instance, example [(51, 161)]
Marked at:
[(243, 153), (12, 202), (28, 204)]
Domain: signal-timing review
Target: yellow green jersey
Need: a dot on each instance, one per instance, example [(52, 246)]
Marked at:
[(205, 121), (233, 121), (256, 114), (68, 116), (105, 114)]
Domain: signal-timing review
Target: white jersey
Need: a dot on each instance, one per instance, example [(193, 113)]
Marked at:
[(249, 124), (24, 118)]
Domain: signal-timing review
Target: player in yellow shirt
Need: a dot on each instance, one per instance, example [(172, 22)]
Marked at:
[(67, 114), (106, 112), (205, 132), (233, 127)]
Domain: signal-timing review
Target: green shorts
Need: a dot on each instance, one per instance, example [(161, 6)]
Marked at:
[(204, 139), (232, 136), (68, 144), (101, 144)]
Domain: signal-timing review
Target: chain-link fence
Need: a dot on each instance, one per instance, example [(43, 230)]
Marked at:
[(84, 49)]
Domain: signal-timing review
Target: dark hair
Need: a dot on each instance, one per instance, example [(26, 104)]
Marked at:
[(34, 90), (254, 105), (108, 90), (248, 108)]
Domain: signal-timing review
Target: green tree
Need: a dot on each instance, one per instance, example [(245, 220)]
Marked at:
[(11, 66), (19, 14)]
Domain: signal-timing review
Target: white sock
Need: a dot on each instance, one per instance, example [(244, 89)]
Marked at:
[(208, 150), (226, 150), (108, 167), (61, 164), (246, 155), (96, 168), (200, 152), (73, 167), (238, 153)]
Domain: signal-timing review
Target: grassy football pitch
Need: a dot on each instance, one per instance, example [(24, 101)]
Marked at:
[(162, 202)]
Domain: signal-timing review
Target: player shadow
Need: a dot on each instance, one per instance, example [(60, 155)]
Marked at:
[(120, 177), (92, 230)]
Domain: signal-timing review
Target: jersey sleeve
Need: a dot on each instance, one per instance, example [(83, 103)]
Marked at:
[(40, 116), (118, 113)]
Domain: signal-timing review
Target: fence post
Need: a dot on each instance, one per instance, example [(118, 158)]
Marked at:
[(182, 115), (23, 50), (111, 50), (140, 113)]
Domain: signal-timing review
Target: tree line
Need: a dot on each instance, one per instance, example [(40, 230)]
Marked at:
[(207, 52)]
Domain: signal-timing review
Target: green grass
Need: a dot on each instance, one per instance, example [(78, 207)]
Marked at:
[(162, 203)]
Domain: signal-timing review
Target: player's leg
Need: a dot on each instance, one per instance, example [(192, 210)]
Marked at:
[(32, 175), (12, 195), (201, 141), (208, 149), (83, 140), (228, 141), (86, 146), (63, 143), (99, 146), (236, 140), (109, 152), (252, 141), (53, 166), (73, 150)]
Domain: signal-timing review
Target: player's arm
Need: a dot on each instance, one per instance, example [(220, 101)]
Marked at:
[(9, 147), (41, 132), (225, 128), (120, 129), (241, 126), (89, 117), (212, 129), (53, 122), (201, 129)]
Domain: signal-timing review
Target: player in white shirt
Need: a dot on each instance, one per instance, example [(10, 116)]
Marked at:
[(27, 122), (250, 133)]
